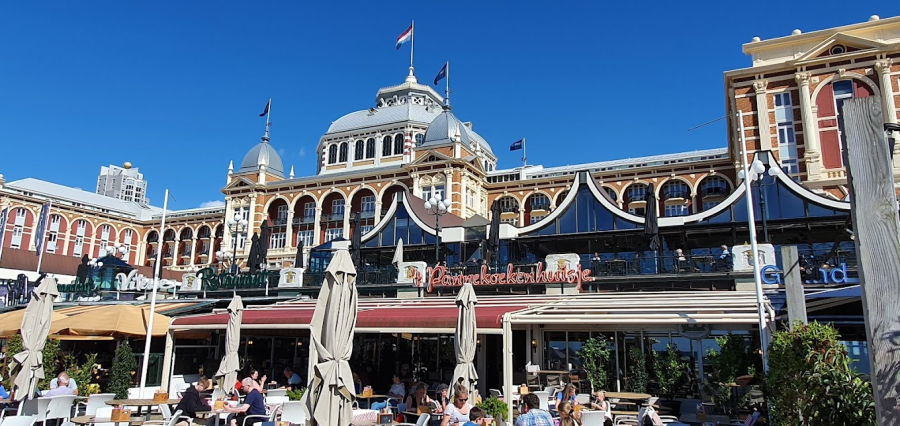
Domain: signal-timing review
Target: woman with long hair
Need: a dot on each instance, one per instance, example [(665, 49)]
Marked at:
[(566, 395), (457, 413)]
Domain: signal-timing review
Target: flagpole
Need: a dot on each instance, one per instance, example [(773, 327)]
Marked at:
[(268, 115), (524, 154), (42, 236), (3, 227), (447, 90), (412, 46), (156, 274)]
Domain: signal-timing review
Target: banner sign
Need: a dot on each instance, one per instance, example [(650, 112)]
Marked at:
[(438, 277), (212, 281), (412, 273), (695, 331)]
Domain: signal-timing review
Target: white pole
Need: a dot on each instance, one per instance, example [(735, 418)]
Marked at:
[(43, 236), (156, 272), (524, 154), (751, 221), (447, 90), (6, 210), (268, 116), (412, 46)]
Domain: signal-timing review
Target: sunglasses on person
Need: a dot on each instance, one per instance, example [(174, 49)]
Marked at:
[(463, 399)]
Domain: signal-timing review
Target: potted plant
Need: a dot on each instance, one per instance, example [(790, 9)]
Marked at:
[(123, 366), (670, 372), (594, 356), (637, 370), (296, 395), (495, 408)]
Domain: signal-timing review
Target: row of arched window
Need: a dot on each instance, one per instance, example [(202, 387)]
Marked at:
[(391, 145)]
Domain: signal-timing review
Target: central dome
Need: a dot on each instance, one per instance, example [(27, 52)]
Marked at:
[(447, 128), (263, 154)]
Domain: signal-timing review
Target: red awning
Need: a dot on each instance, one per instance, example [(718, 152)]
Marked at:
[(425, 315)]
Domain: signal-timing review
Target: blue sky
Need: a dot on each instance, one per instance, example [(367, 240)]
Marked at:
[(176, 87)]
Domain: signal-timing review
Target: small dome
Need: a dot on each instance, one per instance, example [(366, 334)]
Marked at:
[(263, 154), (446, 128)]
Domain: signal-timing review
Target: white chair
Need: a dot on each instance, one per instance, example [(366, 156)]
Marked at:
[(276, 392), (496, 393), (271, 417), (423, 420), (669, 419), (551, 390), (592, 418), (276, 400), (166, 412), (544, 397), (19, 420), (94, 402), (294, 412), (583, 398), (626, 421), (59, 407)]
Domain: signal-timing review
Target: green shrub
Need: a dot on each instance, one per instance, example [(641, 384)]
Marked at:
[(730, 362), (296, 395), (123, 368), (670, 371), (637, 370), (82, 373), (50, 357), (594, 356), (494, 407), (810, 378)]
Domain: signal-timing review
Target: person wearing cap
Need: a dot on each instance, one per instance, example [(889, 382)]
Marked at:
[(442, 395)]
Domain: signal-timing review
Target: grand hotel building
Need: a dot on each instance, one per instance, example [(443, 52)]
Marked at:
[(407, 142)]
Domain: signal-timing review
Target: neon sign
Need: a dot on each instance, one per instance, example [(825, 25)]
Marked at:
[(770, 274), (438, 277)]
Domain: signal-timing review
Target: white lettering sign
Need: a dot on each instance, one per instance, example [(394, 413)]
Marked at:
[(137, 282)]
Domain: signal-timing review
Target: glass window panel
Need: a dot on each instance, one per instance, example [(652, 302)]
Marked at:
[(555, 348), (576, 341)]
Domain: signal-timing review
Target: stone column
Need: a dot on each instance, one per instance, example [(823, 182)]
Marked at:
[(762, 114), (317, 226), (251, 225), (810, 128), (193, 251), (289, 229), (346, 221), (448, 188), (378, 205), (889, 105), (415, 189)]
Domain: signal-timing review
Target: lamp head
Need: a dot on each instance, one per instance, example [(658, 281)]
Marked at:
[(758, 166), (432, 200), (427, 205), (244, 223), (437, 197)]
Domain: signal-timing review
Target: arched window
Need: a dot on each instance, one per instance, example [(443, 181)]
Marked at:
[(332, 154), (612, 193), (419, 138), (358, 150), (713, 190), (342, 156), (676, 197), (398, 144), (370, 148), (386, 146), (830, 101), (635, 203)]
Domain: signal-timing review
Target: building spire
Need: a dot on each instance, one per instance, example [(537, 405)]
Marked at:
[(230, 166), (291, 176)]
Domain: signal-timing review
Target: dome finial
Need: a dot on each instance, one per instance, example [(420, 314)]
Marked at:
[(411, 78), (292, 172)]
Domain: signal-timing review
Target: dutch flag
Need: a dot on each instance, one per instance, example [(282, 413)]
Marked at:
[(405, 37)]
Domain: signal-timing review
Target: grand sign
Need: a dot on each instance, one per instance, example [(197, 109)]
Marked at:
[(439, 277), (770, 274)]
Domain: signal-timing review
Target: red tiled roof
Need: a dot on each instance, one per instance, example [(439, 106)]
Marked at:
[(26, 260)]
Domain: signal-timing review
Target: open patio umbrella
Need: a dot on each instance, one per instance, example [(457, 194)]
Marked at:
[(494, 233), (331, 392), (228, 369), (115, 321), (651, 223), (466, 335), (28, 365), (11, 322), (398, 254)]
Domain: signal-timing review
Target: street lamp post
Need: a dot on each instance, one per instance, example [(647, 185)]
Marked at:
[(437, 207), (237, 225), (747, 170), (758, 170)]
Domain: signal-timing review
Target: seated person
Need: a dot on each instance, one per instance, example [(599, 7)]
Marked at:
[(457, 413), (398, 389), (567, 415), (418, 400), (566, 395), (532, 413), (253, 406), (293, 379), (442, 393), (357, 384), (476, 417), (55, 383), (191, 401), (599, 403), (62, 387)]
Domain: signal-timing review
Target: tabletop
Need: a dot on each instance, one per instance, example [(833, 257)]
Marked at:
[(142, 402), (627, 395), (371, 396), (83, 420), (553, 372)]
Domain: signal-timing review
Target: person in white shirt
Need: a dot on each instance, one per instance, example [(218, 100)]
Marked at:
[(66, 381), (398, 389)]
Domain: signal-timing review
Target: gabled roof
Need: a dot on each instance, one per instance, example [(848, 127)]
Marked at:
[(81, 198), (861, 43)]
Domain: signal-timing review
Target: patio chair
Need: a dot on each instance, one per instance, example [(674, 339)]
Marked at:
[(551, 390), (19, 420), (543, 396), (533, 381), (267, 418), (294, 412), (174, 419), (496, 393), (669, 419), (95, 401), (751, 420), (626, 420), (276, 400), (276, 392), (593, 418), (104, 413), (166, 412), (554, 380), (59, 407)]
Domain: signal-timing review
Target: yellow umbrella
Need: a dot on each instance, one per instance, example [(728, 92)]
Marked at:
[(112, 320), (11, 322)]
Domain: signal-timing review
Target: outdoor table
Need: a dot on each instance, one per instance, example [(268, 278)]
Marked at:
[(83, 420), (628, 395), (141, 403), (370, 398), (704, 263)]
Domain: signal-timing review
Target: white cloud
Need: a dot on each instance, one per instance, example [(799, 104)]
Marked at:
[(303, 152), (214, 203)]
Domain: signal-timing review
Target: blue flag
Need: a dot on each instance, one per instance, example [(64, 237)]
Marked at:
[(4, 217), (266, 111), (43, 221), (517, 145), (442, 74)]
